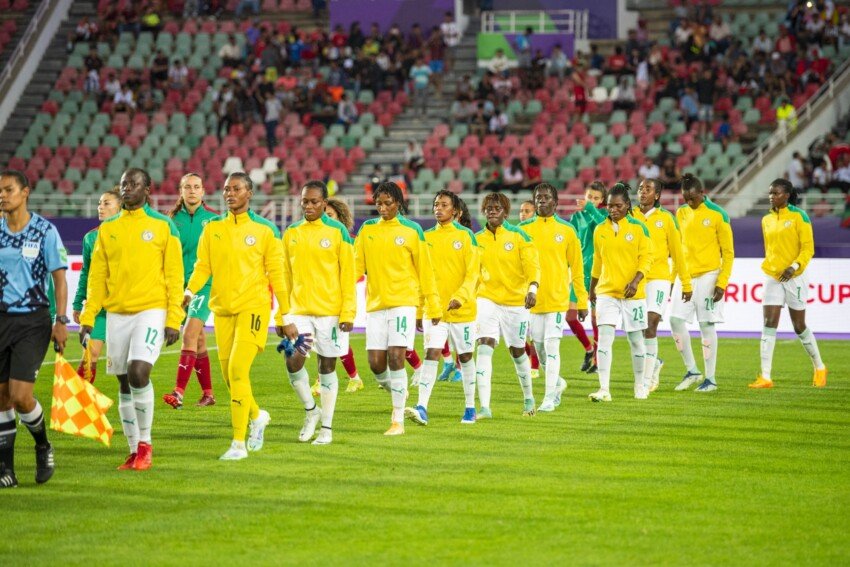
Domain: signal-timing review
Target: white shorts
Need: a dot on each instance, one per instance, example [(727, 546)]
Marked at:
[(628, 314), (133, 337), (511, 322), (794, 293), (702, 301), (547, 326), (463, 335), (657, 296), (394, 327), (328, 340)]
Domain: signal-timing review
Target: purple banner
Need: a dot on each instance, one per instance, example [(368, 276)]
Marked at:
[(603, 13), (405, 13)]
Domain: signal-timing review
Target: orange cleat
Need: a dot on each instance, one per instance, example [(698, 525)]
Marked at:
[(762, 383), (395, 429), (819, 379), (143, 457), (128, 464)]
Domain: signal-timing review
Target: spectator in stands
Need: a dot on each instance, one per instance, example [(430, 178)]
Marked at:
[(479, 123), (689, 106), (436, 54), (683, 35), (462, 110), (489, 177), (616, 63), (93, 62), (724, 131), (649, 170), (559, 65), (513, 176), (719, 33), (538, 70), (498, 123), (230, 53), (623, 95), (796, 172), (841, 176), (670, 176), (579, 92), (124, 101), (226, 108), (145, 100), (821, 209), (92, 84), (111, 88), (178, 75), (414, 158), (451, 38), (597, 61), (271, 119), (533, 173), (253, 5), (762, 43), (420, 74), (786, 44), (85, 30), (159, 70), (346, 111), (706, 91), (523, 41), (151, 21), (128, 21), (786, 115), (821, 175), (499, 63)]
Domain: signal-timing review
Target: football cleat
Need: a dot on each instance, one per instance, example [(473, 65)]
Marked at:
[(256, 430), (206, 400), (311, 421), (656, 375), (144, 456), (484, 413), (819, 378), (457, 376), (706, 386), (547, 405), (528, 407), (535, 373), (417, 415), (237, 452), (316, 389), (559, 389), (468, 416), (600, 396), (641, 393), (395, 429), (324, 437), (7, 477), (448, 370), (689, 380), (128, 464), (44, 463), (173, 399), (761, 383), (588, 361), (354, 384)]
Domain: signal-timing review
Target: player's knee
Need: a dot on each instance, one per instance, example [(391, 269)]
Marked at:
[(799, 327), (23, 402), (517, 352), (327, 365), (464, 358)]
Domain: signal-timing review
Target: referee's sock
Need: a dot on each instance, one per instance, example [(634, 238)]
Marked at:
[(34, 421), (8, 430)]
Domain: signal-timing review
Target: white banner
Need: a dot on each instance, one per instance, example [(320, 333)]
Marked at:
[(828, 310)]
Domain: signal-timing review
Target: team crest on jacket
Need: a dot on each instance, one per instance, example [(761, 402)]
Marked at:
[(659, 224), (250, 240), (509, 246), (559, 238), (147, 236), (706, 222), (630, 237), (457, 244), (788, 224), (325, 243), (399, 241)]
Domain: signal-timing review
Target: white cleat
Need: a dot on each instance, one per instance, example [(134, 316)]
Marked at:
[(641, 393), (689, 380), (324, 437), (311, 420), (237, 452), (656, 375), (559, 389), (257, 427), (547, 405), (600, 396)]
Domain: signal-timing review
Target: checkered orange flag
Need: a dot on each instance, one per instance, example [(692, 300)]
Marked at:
[(78, 407)]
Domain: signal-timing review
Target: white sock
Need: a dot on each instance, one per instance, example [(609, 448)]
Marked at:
[(638, 350), (553, 364), (127, 413), (143, 402), (330, 387), (300, 382), (523, 371), (484, 374), (398, 389), (603, 356), (709, 349), (467, 370), (651, 359), (426, 381), (448, 359), (683, 343), (540, 348), (811, 346), (383, 379), (768, 341)]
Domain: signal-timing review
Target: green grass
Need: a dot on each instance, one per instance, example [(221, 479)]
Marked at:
[(733, 477)]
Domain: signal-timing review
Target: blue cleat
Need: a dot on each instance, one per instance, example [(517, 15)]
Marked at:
[(417, 415), (706, 386), (457, 376), (448, 370), (469, 416)]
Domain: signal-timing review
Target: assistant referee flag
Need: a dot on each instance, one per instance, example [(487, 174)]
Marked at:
[(78, 407)]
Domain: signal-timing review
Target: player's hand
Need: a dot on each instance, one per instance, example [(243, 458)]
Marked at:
[(76, 317), (719, 292), (171, 336), (59, 335), (581, 202), (787, 274), (419, 326), (346, 327), (631, 289), (187, 299), (530, 300), (686, 296), (290, 331), (435, 321), (582, 314), (454, 304), (85, 333), (591, 297)]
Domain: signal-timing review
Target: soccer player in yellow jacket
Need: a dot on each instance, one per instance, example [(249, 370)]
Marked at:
[(393, 254), (561, 265), (789, 245), (510, 276), (136, 275), (622, 256), (666, 249), (709, 252), (319, 269), (454, 253), (242, 253)]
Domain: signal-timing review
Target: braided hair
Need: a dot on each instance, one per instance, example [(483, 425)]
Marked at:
[(393, 191)]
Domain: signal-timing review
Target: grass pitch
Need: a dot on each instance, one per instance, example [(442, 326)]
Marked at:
[(732, 477)]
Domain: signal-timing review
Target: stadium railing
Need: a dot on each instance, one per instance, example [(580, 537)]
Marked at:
[(573, 22)]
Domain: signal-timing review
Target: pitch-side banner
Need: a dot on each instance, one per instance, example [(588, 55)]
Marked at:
[(828, 309)]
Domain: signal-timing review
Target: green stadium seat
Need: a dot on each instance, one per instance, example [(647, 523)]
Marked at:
[(618, 116), (533, 107), (367, 143), (424, 176), (366, 97), (376, 131), (713, 149), (366, 119), (452, 142), (446, 174), (356, 131)]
